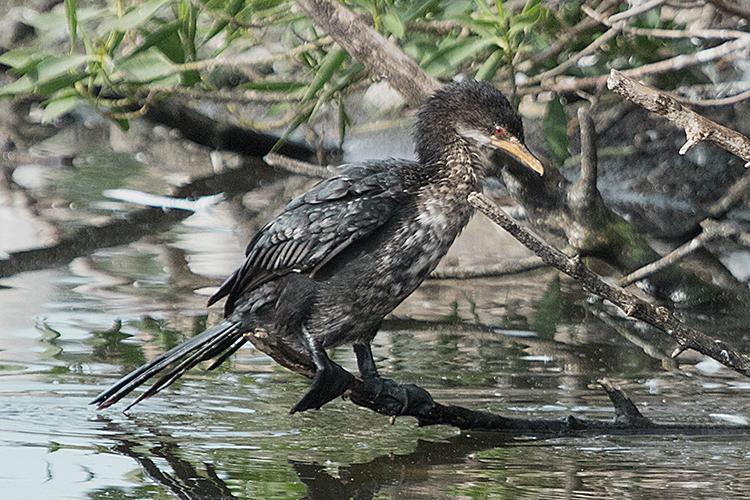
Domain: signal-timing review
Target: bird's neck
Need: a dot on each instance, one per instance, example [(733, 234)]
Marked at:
[(458, 166)]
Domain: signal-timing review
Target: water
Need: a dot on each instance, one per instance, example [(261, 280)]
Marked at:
[(525, 346)]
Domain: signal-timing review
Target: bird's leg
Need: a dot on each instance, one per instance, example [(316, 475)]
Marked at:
[(391, 397), (330, 380)]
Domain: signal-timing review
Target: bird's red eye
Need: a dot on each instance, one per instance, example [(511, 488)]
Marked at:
[(500, 131)]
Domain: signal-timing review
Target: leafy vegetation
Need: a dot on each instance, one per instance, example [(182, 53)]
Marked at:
[(122, 56)]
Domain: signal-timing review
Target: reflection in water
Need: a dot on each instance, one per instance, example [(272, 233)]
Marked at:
[(521, 345), (177, 475)]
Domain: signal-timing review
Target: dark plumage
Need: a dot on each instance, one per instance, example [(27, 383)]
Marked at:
[(343, 255)]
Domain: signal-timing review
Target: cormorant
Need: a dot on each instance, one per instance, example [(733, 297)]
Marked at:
[(344, 254)]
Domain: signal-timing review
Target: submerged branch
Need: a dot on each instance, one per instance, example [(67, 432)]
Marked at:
[(628, 420)]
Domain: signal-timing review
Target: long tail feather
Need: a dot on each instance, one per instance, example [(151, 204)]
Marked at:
[(216, 340)]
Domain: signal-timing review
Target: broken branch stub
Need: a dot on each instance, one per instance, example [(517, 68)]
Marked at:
[(697, 128)]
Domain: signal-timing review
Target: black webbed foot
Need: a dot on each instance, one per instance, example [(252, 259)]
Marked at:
[(396, 399), (328, 384), (330, 380), (390, 397)]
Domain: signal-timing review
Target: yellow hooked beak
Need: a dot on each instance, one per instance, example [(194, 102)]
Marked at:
[(518, 151)]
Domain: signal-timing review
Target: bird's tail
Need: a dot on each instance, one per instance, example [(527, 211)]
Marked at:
[(220, 341)]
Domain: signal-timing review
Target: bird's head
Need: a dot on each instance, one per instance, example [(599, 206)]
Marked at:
[(475, 113)]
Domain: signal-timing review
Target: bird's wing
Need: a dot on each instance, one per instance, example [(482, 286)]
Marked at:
[(318, 225)]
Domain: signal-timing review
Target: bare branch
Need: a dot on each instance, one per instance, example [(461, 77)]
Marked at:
[(711, 231), (722, 34), (565, 38), (632, 306), (735, 194), (588, 155), (363, 43), (718, 101), (627, 420), (235, 96), (296, 166), (515, 266), (697, 128), (733, 48)]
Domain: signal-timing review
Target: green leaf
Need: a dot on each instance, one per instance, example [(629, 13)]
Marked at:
[(232, 8), (171, 46), (22, 57), (419, 9), (122, 123), (447, 59), (27, 86), (134, 18), (490, 66), (526, 19), (328, 66), (393, 24), (155, 38), (146, 67), (188, 17), (60, 106), (22, 86), (52, 67), (56, 21), (71, 12), (276, 86), (555, 126)]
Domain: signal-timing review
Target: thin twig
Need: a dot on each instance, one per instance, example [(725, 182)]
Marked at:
[(718, 101), (697, 128), (632, 306), (711, 231), (235, 96), (682, 61), (721, 34), (515, 266), (239, 62), (570, 34), (735, 194), (297, 166)]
